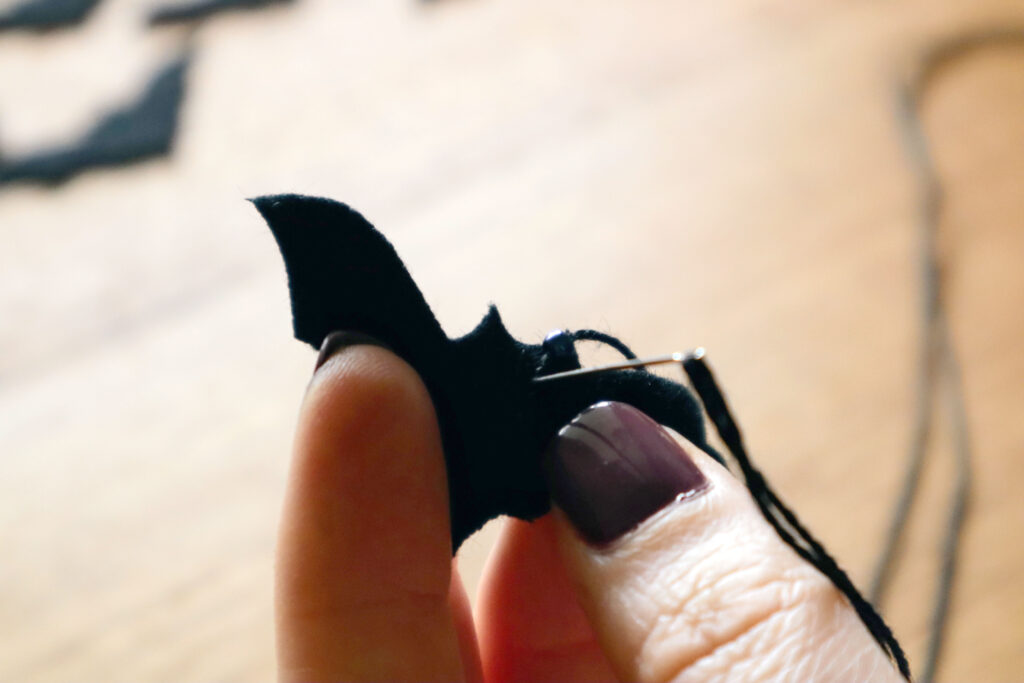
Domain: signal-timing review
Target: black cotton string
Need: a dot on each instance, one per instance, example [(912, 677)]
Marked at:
[(594, 335), (937, 357), (781, 517)]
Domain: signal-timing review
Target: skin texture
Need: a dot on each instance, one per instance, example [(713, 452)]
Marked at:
[(703, 590)]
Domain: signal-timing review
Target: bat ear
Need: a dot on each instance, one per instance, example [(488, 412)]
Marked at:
[(344, 275)]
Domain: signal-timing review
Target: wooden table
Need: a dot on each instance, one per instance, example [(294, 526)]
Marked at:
[(719, 174)]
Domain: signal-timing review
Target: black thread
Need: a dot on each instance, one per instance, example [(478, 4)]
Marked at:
[(781, 517), (594, 335), (937, 350)]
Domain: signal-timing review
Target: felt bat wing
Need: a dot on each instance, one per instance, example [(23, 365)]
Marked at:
[(495, 419)]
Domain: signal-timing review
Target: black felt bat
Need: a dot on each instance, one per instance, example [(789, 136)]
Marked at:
[(45, 15), (495, 420), (197, 10), (140, 130)]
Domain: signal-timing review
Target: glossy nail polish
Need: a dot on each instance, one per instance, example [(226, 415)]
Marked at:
[(612, 467)]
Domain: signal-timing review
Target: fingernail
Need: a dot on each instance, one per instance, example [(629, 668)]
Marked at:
[(336, 341), (612, 467)]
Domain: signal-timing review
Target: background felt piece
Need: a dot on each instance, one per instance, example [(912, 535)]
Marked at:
[(139, 130), (45, 15), (194, 10)]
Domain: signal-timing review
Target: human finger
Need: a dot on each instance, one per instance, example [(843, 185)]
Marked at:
[(364, 553), (679, 573), (529, 623)]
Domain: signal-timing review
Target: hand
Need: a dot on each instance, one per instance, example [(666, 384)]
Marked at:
[(665, 571)]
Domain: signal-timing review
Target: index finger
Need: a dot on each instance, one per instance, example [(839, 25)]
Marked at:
[(364, 555)]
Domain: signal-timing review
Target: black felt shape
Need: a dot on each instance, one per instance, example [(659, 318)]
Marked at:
[(45, 15), (138, 131), (197, 10), (495, 421)]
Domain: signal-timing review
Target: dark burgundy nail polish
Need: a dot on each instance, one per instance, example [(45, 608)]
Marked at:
[(612, 467), (336, 341)]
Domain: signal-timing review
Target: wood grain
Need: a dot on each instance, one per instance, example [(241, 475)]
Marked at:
[(719, 174)]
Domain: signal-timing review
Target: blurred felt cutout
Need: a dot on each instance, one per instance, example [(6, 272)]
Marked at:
[(45, 15), (142, 129), (197, 10)]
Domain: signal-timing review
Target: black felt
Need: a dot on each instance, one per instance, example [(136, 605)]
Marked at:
[(196, 10), (140, 130), (45, 15), (495, 421)]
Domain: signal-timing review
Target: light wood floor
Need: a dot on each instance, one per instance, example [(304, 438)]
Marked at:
[(725, 174)]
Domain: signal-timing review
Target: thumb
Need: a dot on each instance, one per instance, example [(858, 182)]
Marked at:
[(678, 572)]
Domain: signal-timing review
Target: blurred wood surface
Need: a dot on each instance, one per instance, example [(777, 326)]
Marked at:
[(719, 174)]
